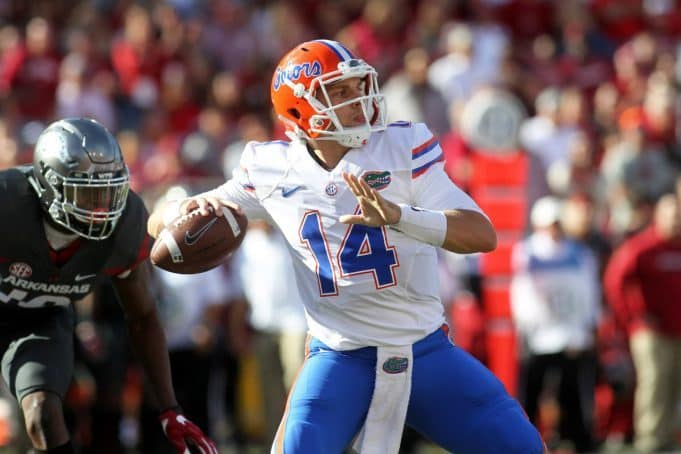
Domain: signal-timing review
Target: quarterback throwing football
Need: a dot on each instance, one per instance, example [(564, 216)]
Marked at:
[(363, 206)]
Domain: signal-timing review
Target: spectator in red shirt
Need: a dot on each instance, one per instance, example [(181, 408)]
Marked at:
[(643, 286), (138, 64), (378, 34), (177, 98), (29, 72), (619, 19), (536, 18)]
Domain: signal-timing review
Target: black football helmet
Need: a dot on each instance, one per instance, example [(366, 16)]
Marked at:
[(80, 177)]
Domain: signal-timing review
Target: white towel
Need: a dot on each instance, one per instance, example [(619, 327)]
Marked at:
[(382, 430)]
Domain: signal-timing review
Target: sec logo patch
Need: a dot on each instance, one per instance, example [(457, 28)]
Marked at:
[(331, 189), (21, 269)]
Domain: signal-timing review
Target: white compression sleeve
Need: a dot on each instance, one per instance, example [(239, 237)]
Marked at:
[(427, 226)]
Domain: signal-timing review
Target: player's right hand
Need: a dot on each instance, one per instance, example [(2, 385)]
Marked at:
[(206, 205), (376, 210)]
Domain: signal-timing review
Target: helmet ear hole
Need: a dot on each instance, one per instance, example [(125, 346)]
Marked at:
[(294, 113)]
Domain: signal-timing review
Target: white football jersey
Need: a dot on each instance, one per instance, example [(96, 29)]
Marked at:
[(361, 286)]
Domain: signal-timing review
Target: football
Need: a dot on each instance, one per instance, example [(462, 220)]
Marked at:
[(194, 243)]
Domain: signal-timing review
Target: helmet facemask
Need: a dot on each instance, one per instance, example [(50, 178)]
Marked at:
[(89, 205), (325, 124)]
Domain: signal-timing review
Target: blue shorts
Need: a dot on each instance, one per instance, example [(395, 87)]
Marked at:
[(455, 402)]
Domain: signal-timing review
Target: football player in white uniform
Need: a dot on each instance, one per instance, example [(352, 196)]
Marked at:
[(363, 207)]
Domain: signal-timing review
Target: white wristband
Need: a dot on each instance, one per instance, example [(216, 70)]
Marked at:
[(424, 225)]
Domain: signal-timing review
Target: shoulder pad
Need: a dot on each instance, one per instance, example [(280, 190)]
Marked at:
[(131, 243), (263, 162), (425, 150), (15, 185)]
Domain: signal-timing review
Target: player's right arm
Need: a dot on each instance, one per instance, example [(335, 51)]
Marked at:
[(170, 210), (236, 193)]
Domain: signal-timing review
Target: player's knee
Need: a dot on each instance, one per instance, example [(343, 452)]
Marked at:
[(304, 438), (43, 418), (513, 433)]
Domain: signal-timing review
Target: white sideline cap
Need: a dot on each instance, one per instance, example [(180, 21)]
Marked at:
[(545, 212)]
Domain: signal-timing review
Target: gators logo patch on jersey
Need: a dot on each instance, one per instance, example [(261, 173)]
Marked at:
[(377, 179)]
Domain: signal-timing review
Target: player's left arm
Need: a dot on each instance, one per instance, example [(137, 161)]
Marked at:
[(437, 212), (130, 277), (468, 232), (467, 229), (146, 331), (462, 230), (149, 342)]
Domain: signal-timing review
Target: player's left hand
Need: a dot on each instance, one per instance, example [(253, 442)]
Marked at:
[(181, 431), (376, 210)]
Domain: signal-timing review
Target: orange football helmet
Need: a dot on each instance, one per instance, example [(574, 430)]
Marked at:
[(300, 98)]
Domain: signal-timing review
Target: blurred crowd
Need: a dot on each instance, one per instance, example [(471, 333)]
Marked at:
[(583, 94)]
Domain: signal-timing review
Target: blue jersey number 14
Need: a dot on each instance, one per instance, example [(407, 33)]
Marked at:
[(363, 250)]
